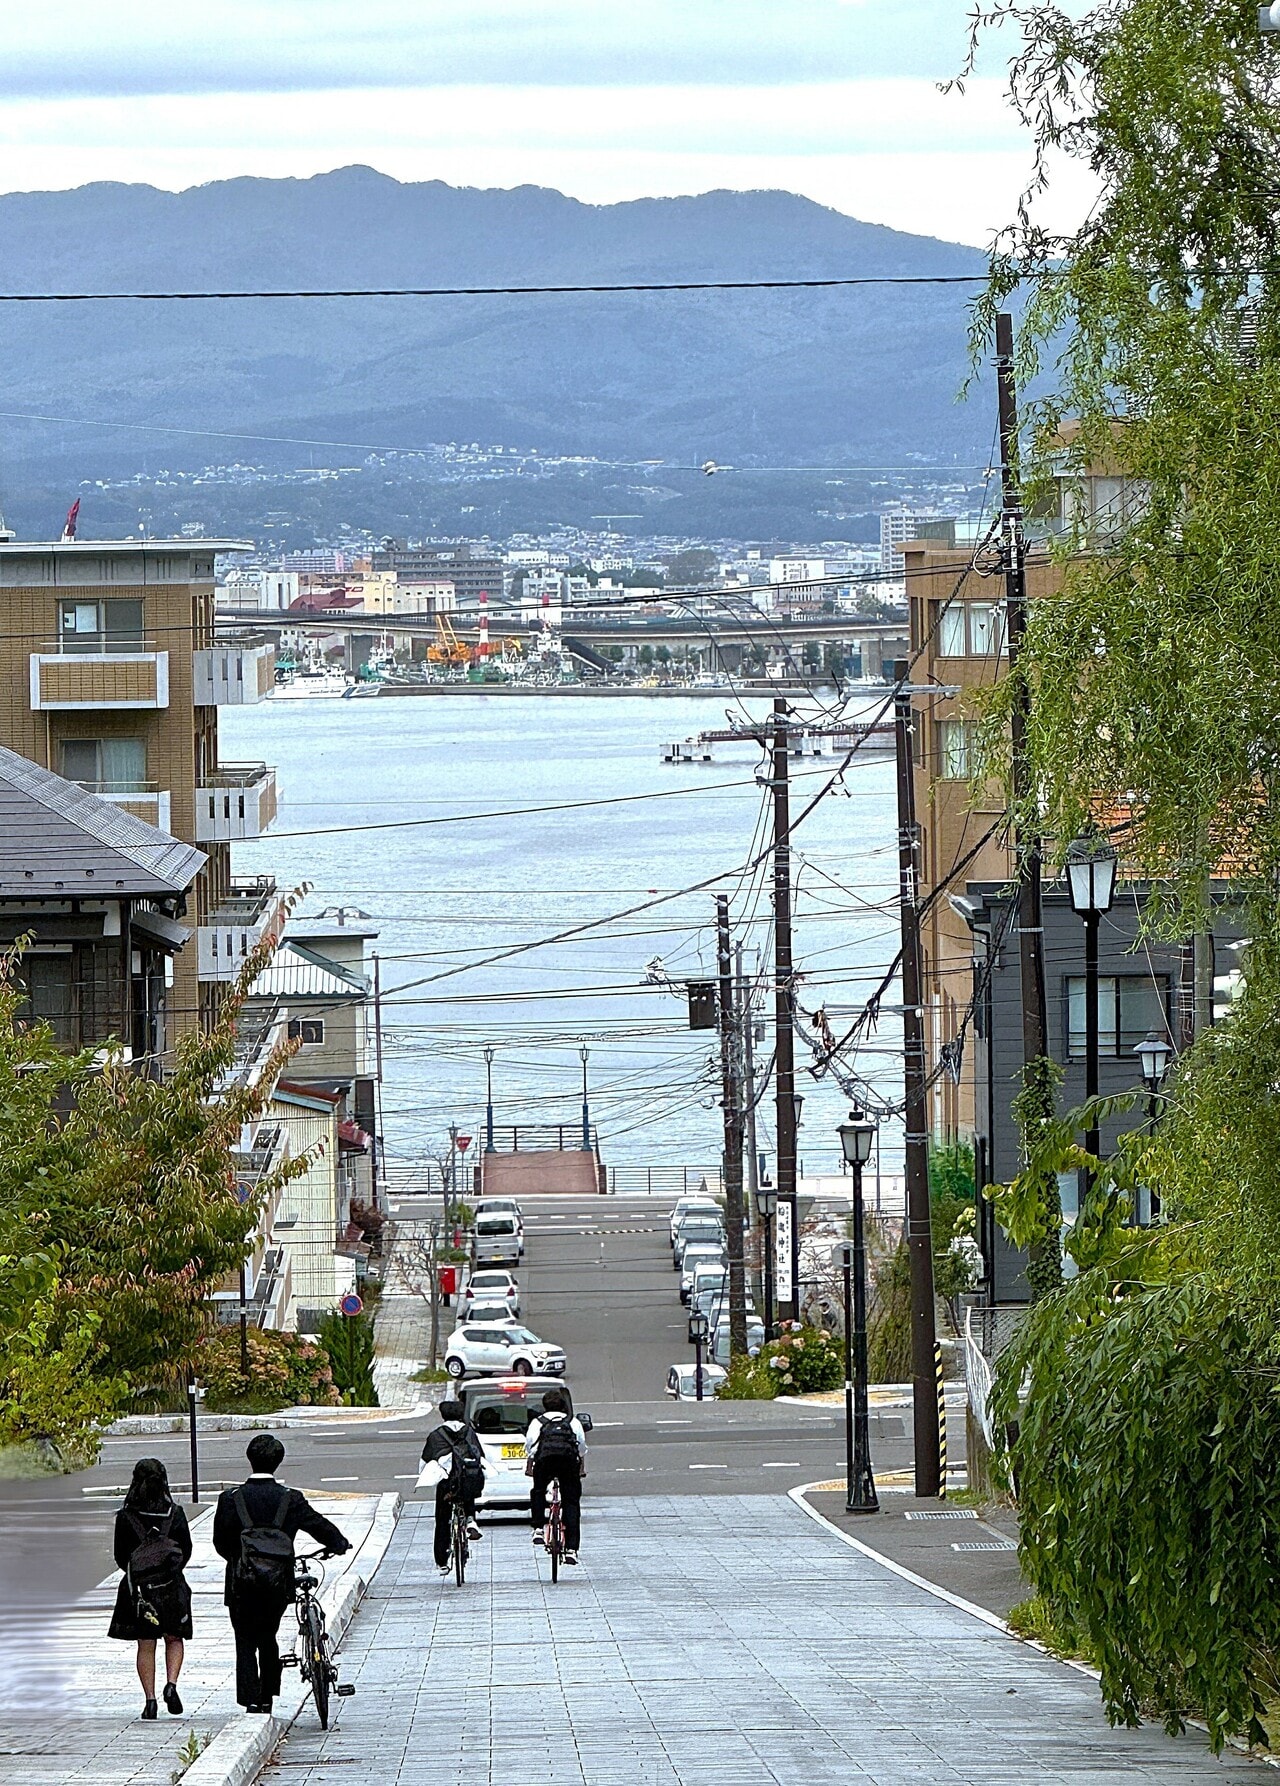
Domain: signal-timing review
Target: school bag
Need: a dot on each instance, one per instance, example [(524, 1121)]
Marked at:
[(557, 1442), (467, 1473), (155, 1570), (264, 1568)]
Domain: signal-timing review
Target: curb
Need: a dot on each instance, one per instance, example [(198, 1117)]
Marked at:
[(241, 1749), (137, 1425)]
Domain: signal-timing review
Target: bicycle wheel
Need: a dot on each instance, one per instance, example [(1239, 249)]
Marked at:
[(555, 1540), (317, 1651), (459, 1547)]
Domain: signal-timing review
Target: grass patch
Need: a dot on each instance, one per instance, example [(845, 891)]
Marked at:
[(1034, 1619), (425, 1375)]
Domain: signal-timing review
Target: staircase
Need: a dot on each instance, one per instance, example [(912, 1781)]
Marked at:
[(538, 1174)]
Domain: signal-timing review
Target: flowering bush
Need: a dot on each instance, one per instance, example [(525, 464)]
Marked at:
[(285, 1370), (800, 1361)]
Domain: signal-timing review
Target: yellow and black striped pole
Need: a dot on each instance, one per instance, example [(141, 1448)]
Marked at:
[(942, 1424)]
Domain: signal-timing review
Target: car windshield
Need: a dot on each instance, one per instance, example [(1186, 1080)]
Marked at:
[(499, 1413), (700, 1232), (497, 1311), (493, 1283), (522, 1336)]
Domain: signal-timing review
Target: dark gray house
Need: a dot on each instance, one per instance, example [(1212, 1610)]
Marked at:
[(101, 895)]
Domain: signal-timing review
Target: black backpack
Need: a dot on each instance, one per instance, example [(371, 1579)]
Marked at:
[(467, 1471), (155, 1569), (264, 1568), (557, 1441)]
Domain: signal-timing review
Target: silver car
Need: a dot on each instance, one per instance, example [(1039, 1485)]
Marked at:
[(697, 1254)]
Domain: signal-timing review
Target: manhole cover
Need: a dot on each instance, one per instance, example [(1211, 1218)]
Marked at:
[(957, 1513)]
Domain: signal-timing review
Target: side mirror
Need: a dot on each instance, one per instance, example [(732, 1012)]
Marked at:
[(585, 1422)]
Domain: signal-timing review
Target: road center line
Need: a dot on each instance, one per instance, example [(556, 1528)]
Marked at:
[(708, 1466), (342, 1479)]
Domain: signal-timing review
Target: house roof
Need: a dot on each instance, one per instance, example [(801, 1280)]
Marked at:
[(57, 842), (297, 972)]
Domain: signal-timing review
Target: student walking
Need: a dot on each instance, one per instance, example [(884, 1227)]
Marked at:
[(253, 1531), (153, 1546), (556, 1445)]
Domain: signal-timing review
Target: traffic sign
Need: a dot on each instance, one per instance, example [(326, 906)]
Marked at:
[(351, 1304), (464, 1142)]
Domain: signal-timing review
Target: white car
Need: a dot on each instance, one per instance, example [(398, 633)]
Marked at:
[(507, 1351), (696, 1230), (506, 1206), (682, 1382), (755, 1339), (488, 1314), (705, 1253), (489, 1286), (703, 1205), (500, 1412)]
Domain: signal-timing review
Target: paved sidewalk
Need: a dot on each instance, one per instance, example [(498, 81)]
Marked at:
[(402, 1338), (727, 1641), (72, 1715)]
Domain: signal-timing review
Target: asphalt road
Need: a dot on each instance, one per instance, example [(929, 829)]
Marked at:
[(597, 1279)]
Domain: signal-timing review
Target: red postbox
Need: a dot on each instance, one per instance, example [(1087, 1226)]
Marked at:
[(448, 1282)]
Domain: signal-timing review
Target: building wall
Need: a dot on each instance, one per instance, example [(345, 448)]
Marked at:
[(306, 1224)]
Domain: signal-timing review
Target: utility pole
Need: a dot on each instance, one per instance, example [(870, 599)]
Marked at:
[(747, 1007), (919, 1229), (784, 1072), (732, 1098), (1027, 836)]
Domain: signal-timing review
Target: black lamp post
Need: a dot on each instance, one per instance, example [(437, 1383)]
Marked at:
[(1155, 1055), (857, 1137), (767, 1204), (586, 1114), (488, 1100), (1091, 882), (698, 1327)]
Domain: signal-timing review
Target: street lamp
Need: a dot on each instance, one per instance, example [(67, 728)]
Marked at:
[(1155, 1056), (767, 1204), (1091, 882), (586, 1114), (488, 1100), (698, 1328), (857, 1137), (1269, 18)]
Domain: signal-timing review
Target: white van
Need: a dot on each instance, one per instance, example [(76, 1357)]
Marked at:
[(496, 1239)]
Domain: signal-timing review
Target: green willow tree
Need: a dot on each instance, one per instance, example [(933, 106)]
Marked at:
[(1146, 1462)]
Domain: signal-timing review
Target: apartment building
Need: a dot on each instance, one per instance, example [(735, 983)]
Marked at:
[(455, 562), (112, 678)]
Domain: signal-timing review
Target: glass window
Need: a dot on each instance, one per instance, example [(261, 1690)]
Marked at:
[(106, 765), (954, 737), (101, 626), (1129, 1007), (982, 632), (951, 641), (307, 1030)]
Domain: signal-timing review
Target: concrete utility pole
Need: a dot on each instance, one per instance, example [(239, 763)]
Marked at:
[(747, 1007), (924, 1391), (733, 1125), (1027, 837), (784, 1072)]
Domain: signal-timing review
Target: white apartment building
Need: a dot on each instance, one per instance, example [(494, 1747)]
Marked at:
[(258, 591), (898, 523)]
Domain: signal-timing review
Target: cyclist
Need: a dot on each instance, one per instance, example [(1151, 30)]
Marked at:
[(556, 1446), (456, 1459)]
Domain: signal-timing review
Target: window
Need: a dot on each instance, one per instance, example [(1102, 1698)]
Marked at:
[(955, 749), (100, 626), (970, 629), (307, 1030), (106, 765), (1129, 1007)]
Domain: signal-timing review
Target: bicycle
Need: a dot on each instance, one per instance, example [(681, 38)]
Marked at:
[(313, 1657), (553, 1533), (459, 1544)]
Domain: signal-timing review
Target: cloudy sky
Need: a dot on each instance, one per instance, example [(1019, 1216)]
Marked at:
[(837, 99)]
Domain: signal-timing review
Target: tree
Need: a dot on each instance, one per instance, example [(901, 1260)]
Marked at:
[(348, 1339), (689, 568), (1146, 1488)]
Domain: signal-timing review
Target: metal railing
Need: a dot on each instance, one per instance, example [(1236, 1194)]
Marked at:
[(537, 1137), (662, 1181)]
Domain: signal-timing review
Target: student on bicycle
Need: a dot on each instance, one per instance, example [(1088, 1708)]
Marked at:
[(457, 1457), (556, 1446)]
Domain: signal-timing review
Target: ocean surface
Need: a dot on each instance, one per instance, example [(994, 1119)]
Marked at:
[(420, 814)]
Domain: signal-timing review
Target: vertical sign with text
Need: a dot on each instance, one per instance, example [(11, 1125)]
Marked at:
[(785, 1289)]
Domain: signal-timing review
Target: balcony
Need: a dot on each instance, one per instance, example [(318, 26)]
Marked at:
[(141, 798), (233, 675), (252, 910), (239, 801), (128, 676)]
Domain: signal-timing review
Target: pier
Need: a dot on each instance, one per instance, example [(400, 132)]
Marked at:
[(808, 741)]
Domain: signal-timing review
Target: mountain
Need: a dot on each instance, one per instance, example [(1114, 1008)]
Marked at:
[(860, 376)]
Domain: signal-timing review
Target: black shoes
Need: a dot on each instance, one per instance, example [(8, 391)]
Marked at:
[(149, 1710), (171, 1699)]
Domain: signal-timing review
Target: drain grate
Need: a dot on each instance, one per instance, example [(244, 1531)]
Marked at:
[(956, 1513), (1002, 1545)]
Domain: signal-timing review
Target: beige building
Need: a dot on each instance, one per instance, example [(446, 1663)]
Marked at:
[(113, 679)]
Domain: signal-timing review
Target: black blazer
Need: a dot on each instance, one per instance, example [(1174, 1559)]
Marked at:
[(261, 1496)]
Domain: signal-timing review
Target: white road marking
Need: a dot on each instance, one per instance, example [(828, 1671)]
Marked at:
[(708, 1466), (634, 1469), (410, 1478), (673, 1423), (339, 1479), (792, 1463)]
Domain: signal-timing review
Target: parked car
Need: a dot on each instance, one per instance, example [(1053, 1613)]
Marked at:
[(500, 1410), (708, 1288), (485, 1314), (496, 1239), (491, 1286), (695, 1255), (502, 1206), (694, 1230), (706, 1206), (720, 1344), (682, 1382), (509, 1349)]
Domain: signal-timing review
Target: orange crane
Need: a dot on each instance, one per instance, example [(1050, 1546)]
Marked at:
[(448, 648)]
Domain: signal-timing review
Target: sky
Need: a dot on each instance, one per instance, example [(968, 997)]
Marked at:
[(835, 99)]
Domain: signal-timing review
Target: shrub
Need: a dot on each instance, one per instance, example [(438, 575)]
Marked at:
[(801, 1361), (889, 1326), (348, 1341), (285, 1370)]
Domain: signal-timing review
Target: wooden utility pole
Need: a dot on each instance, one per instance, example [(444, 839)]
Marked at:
[(1027, 834), (919, 1227), (784, 1072), (731, 1081), (746, 1007)]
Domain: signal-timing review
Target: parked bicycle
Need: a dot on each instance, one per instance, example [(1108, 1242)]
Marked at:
[(313, 1655), (553, 1532)]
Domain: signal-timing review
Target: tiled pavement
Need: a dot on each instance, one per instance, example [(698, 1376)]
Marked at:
[(725, 1641)]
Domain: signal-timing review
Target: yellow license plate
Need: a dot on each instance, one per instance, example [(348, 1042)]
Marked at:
[(513, 1451)]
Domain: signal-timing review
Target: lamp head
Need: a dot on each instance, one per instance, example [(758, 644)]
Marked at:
[(857, 1137), (1091, 875), (1155, 1054)]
